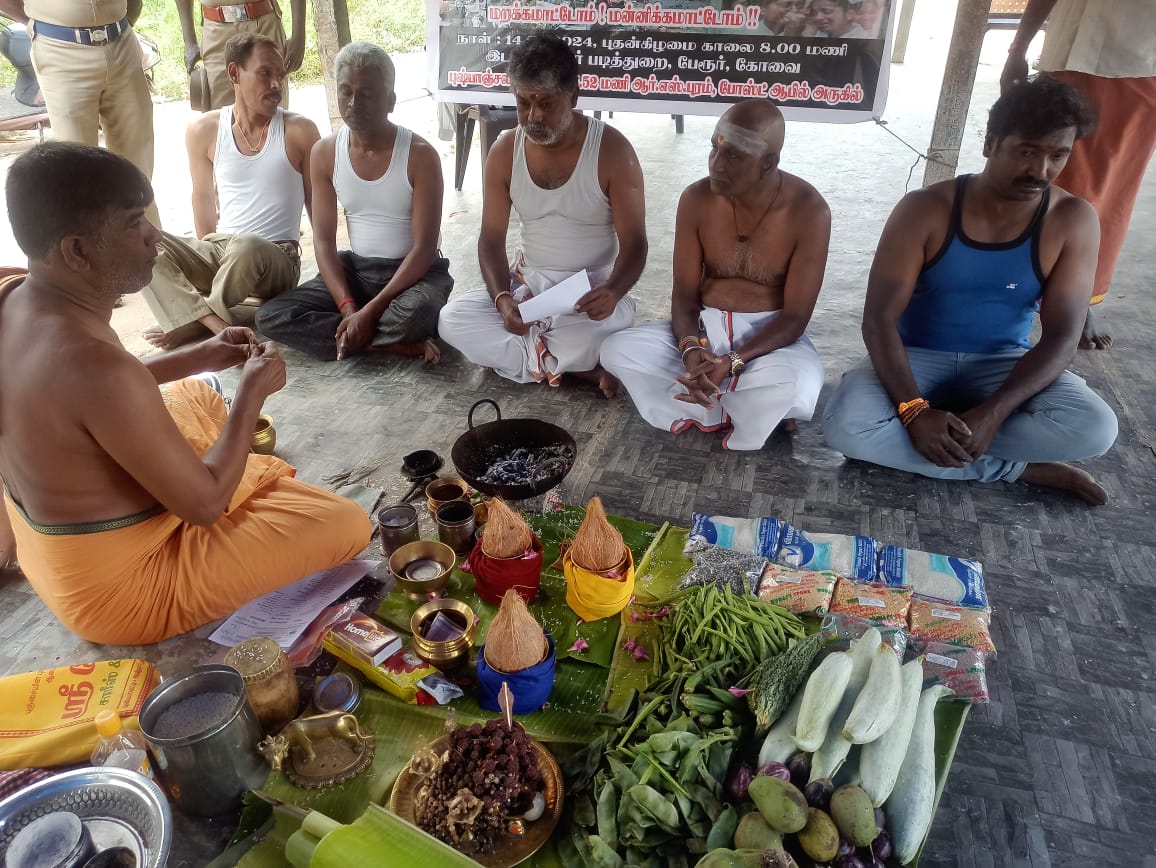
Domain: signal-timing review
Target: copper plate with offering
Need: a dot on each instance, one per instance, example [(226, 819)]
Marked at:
[(517, 805)]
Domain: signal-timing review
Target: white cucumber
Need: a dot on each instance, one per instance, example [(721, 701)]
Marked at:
[(821, 697), (880, 760), (878, 701), (832, 751), (779, 745), (910, 805)]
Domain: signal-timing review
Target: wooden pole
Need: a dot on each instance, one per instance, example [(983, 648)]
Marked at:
[(331, 17), (903, 31), (955, 94)]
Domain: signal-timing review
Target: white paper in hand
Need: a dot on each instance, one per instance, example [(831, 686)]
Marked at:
[(559, 298)]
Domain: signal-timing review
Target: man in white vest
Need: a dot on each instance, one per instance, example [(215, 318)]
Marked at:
[(577, 188), (250, 169), (384, 294)]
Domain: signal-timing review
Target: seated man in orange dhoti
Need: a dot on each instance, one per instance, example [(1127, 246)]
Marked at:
[(138, 512)]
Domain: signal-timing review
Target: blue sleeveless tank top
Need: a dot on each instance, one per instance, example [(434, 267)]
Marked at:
[(974, 297)]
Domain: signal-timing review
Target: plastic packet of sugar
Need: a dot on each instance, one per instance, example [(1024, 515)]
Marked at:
[(953, 580), (756, 536), (855, 557)]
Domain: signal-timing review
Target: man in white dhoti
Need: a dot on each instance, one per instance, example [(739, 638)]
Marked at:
[(577, 188), (750, 248)]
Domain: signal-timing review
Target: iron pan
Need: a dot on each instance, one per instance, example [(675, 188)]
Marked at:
[(474, 451)]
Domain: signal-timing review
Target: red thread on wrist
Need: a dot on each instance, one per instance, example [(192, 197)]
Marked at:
[(345, 302)]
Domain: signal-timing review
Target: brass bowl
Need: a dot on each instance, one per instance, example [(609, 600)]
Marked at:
[(264, 435), (450, 654), (423, 568), (444, 490)]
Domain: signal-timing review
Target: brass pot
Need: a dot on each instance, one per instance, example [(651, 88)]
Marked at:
[(449, 654), (444, 490), (423, 568), (264, 436)]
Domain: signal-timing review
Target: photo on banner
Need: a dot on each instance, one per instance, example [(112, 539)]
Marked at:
[(818, 60)]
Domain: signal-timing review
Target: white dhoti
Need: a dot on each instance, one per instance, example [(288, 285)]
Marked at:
[(784, 384), (568, 342)]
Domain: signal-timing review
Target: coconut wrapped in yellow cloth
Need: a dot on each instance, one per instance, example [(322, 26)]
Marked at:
[(599, 567)]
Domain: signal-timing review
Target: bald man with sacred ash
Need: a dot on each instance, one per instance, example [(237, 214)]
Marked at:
[(750, 248)]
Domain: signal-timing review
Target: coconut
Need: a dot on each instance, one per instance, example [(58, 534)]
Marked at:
[(515, 640), (506, 535), (598, 547)]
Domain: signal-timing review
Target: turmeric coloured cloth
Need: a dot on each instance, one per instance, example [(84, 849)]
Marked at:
[(143, 578)]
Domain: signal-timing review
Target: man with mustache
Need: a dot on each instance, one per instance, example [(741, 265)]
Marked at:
[(383, 295), (952, 387), (250, 170), (139, 512), (577, 188), (750, 248)]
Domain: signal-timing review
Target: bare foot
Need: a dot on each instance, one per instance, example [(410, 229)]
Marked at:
[(1053, 474), (427, 349), (433, 353), (177, 337), (789, 427), (607, 383), (1092, 338)]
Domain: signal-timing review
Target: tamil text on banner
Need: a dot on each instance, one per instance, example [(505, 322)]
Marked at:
[(819, 60)]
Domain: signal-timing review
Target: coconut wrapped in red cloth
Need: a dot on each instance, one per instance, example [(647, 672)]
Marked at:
[(508, 558)]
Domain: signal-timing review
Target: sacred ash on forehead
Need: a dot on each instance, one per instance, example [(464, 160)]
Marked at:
[(739, 137)]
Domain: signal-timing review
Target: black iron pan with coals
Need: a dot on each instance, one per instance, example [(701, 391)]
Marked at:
[(476, 451)]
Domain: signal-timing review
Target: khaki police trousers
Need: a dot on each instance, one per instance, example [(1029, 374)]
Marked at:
[(92, 87)]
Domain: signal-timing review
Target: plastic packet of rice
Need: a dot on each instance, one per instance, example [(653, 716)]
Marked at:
[(962, 669), (839, 629), (756, 536), (803, 592), (953, 580), (938, 621), (882, 606), (856, 557), (735, 571)]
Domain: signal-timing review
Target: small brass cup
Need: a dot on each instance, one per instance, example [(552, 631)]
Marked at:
[(264, 436), (449, 654), (422, 568)]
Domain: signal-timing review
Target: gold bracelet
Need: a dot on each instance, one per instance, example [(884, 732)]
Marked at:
[(498, 297), (909, 410), (737, 363)]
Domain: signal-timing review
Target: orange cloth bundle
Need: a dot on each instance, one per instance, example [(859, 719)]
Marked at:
[(885, 607), (47, 717)]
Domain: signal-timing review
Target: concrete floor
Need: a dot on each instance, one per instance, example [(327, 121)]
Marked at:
[(1057, 769)]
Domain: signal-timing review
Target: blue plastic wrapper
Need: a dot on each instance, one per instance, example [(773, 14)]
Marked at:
[(756, 536), (853, 557), (954, 580)]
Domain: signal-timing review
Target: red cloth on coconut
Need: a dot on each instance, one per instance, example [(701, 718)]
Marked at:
[(494, 576)]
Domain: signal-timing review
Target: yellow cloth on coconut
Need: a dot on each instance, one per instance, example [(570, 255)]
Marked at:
[(593, 596), (47, 718)]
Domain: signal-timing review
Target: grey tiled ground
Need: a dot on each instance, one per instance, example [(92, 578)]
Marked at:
[(1058, 769)]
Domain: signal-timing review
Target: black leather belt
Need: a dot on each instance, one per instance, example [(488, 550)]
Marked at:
[(104, 35)]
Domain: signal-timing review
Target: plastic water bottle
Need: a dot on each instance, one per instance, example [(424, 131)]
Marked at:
[(120, 747)]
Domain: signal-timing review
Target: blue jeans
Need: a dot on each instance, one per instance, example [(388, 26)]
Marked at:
[(1066, 421)]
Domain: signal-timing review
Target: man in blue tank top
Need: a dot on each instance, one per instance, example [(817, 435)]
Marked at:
[(952, 387)]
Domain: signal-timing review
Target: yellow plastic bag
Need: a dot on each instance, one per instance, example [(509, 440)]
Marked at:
[(46, 717)]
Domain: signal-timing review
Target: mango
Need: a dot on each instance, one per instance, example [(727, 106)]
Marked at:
[(819, 838), (854, 815), (753, 833), (782, 805), (731, 859)]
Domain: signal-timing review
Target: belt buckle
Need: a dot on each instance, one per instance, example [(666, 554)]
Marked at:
[(98, 35), (234, 14)]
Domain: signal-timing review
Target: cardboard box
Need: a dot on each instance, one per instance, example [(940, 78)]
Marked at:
[(366, 639)]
